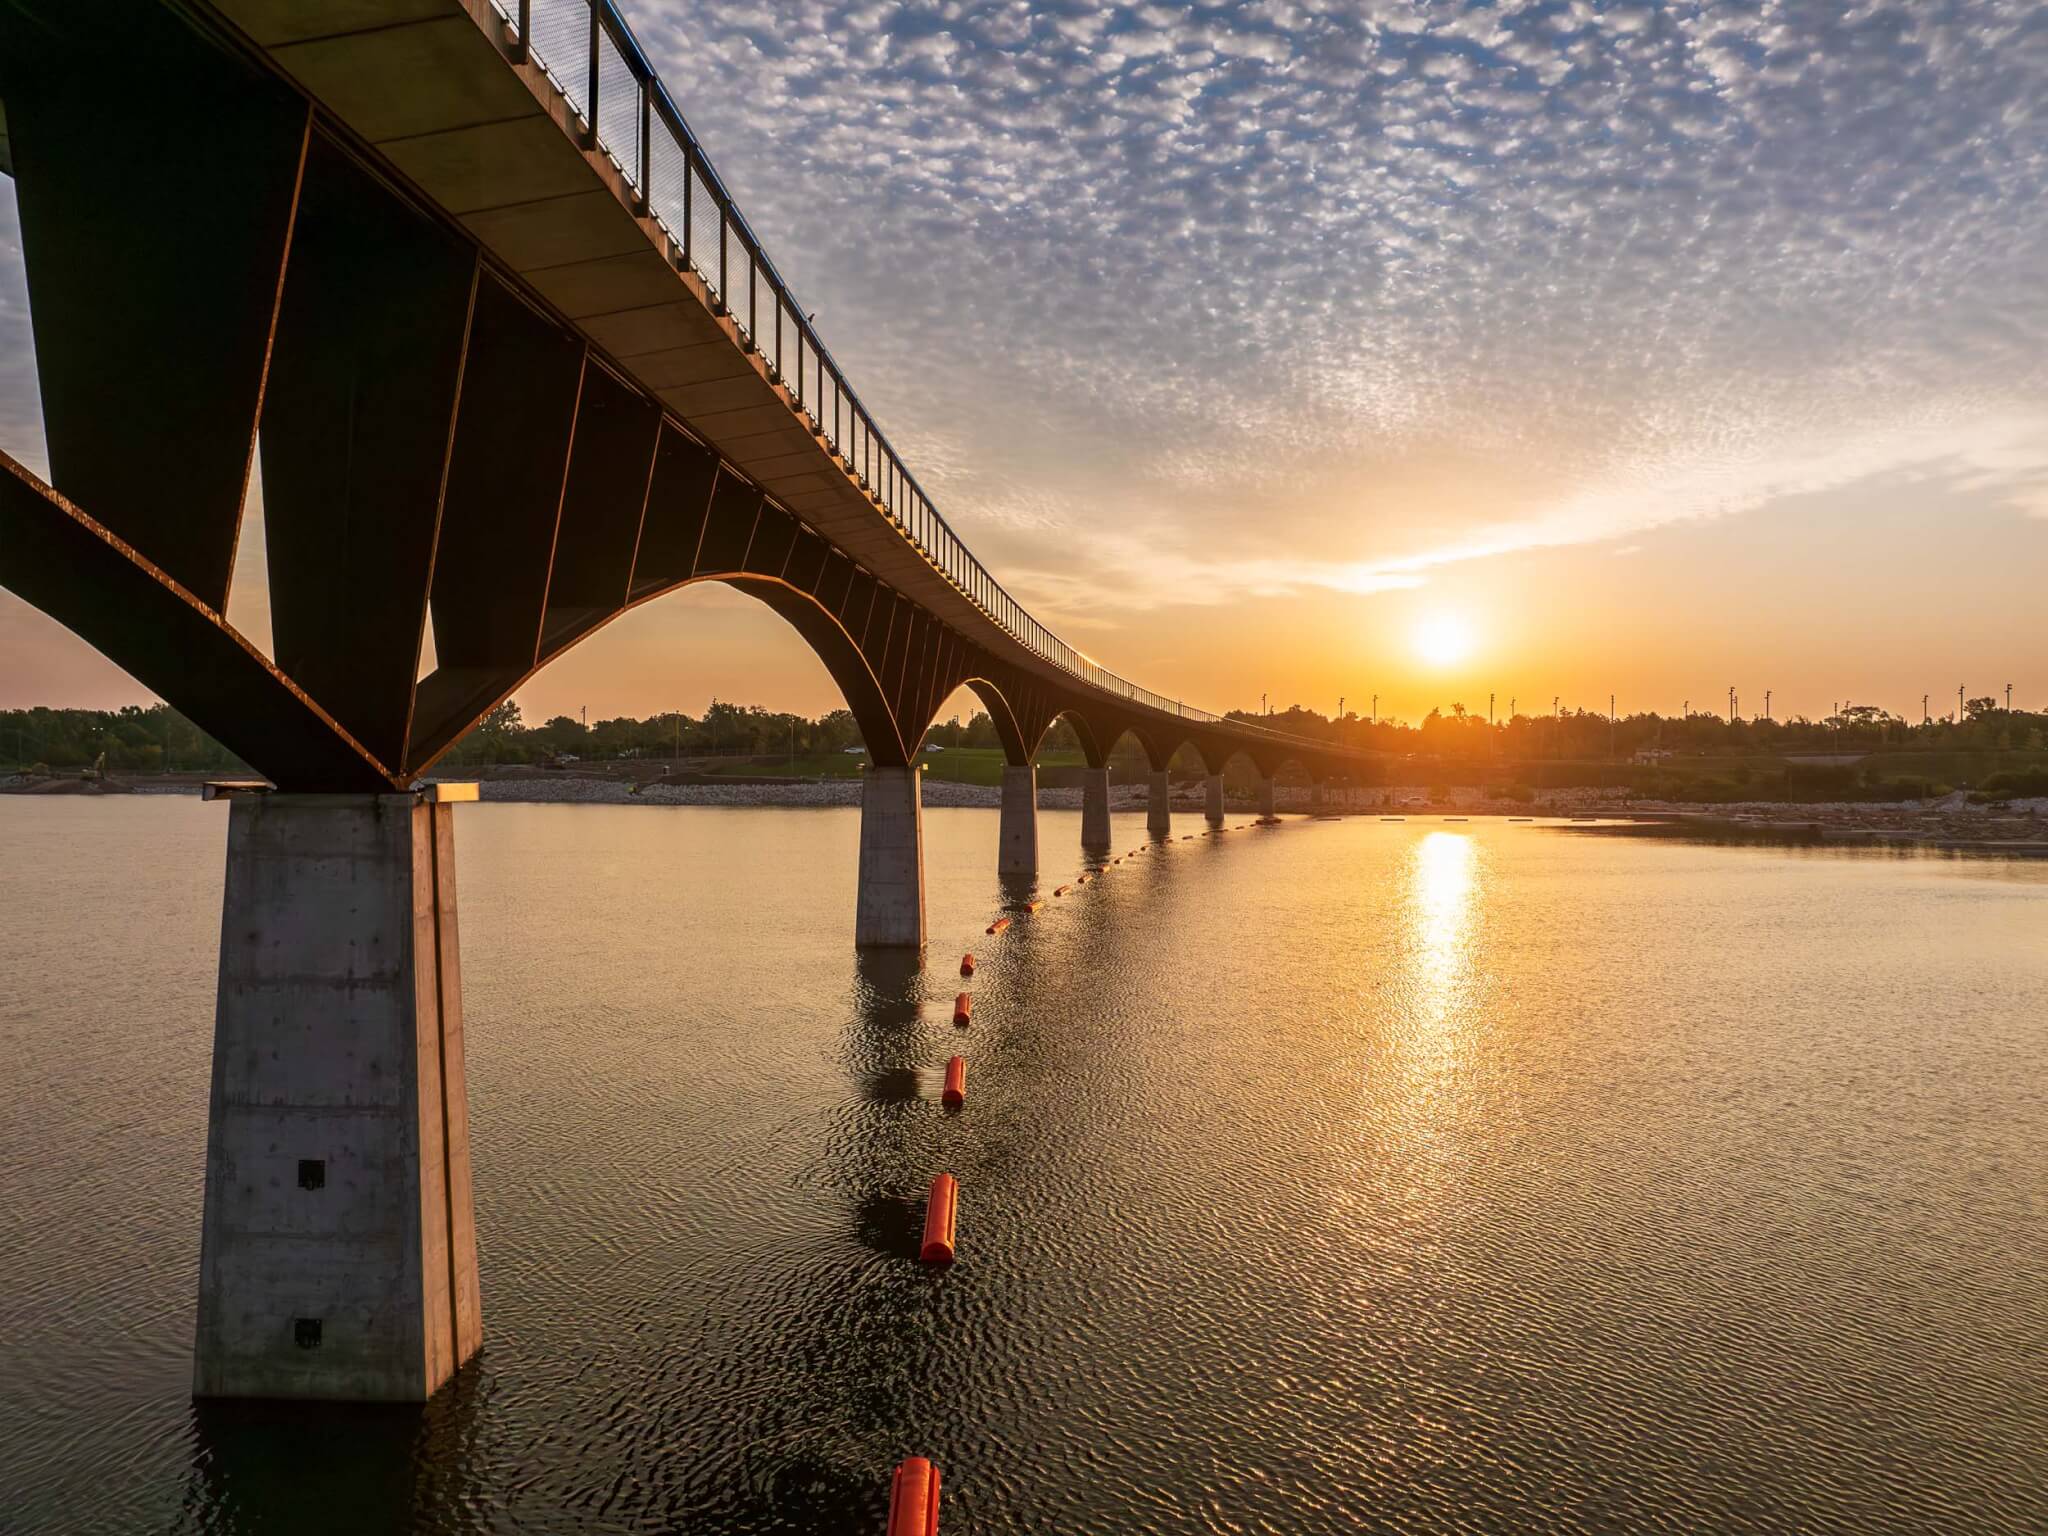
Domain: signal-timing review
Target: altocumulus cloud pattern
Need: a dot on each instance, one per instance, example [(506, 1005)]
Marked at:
[(1430, 281), (1719, 251)]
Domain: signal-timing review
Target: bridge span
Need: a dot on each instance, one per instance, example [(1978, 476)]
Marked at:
[(517, 364)]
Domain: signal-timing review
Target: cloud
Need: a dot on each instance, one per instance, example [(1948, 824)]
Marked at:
[(1165, 258), (1148, 289)]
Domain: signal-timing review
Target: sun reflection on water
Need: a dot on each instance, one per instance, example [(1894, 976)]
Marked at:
[(1442, 876)]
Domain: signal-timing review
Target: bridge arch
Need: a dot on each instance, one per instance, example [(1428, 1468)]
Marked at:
[(1016, 752), (1092, 751), (819, 628), (1113, 736)]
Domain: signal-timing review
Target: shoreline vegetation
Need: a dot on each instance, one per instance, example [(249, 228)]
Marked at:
[(1977, 780)]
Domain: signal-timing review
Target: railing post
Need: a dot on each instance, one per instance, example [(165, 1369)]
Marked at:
[(646, 147), (689, 200), (523, 47), (596, 28)]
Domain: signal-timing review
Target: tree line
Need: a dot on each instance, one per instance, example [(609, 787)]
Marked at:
[(156, 738), (1583, 735)]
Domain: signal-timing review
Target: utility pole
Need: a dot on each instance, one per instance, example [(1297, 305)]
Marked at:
[(1731, 704), (1489, 711), (1959, 703), (1340, 709), (1264, 708), (2008, 698), (1767, 703), (1375, 709), (1925, 718)]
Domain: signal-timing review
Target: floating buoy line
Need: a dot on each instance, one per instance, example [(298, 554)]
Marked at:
[(914, 1491)]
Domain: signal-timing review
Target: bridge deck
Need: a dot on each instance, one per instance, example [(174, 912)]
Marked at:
[(435, 88)]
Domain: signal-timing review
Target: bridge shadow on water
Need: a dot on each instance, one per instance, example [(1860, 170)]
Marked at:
[(339, 1467)]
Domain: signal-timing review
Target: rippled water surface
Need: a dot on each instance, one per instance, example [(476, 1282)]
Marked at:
[(1329, 1177)]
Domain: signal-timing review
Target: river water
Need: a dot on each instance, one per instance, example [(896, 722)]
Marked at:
[(1327, 1177)]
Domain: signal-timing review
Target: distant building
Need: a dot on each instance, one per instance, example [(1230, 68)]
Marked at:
[(1651, 754)]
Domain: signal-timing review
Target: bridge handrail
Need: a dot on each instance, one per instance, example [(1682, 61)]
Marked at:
[(797, 358)]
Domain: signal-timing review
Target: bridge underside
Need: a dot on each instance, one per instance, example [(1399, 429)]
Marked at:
[(442, 448), (231, 283)]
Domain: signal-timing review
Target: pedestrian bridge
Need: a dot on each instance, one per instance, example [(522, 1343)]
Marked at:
[(516, 364)]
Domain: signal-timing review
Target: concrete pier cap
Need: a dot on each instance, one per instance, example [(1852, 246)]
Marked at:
[(338, 1243)]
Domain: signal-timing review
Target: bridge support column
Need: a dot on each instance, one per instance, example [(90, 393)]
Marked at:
[(1159, 809), (1315, 794), (1215, 803), (1266, 797), (337, 1255), (1095, 808), (1017, 841), (890, 913)]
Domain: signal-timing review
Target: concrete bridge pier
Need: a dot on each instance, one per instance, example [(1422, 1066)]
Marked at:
[(1159, 808), (1315, 794), (1095, 831), (337, 1254), (1266, 811), (890, 909), (1215, 800), (1017, 839)]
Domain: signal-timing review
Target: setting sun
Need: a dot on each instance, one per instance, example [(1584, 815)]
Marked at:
[(1443, 638)]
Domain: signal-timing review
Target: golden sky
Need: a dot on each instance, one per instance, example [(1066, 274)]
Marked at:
[(1647, 351)]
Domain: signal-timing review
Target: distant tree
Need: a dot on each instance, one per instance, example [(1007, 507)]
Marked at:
[(502, 721)]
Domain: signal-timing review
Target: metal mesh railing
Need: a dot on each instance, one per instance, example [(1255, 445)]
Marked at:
[(590, 54)]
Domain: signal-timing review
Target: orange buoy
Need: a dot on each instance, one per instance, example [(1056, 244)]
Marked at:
[(999, 925), (1084, 879), (967, 964), (938, 1221), (956, 1083), (1032, 906), (914, 1499), (963, 1005), (1061, 890)]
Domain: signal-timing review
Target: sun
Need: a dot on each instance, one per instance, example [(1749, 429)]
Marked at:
[(1443, 638)]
